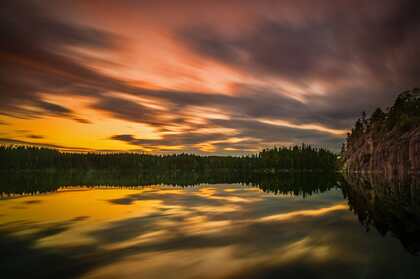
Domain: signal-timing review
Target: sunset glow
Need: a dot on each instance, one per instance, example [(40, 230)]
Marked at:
[(215, 77)]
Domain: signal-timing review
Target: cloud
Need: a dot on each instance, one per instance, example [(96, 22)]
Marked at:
[(250, 135), (273, 134), (53, 108), (35, 136), (10, 141), (342, 56), (378, 38), (190, 142), (127, 109), (36, 54), (248, 101), (82, 120), (271, 48)]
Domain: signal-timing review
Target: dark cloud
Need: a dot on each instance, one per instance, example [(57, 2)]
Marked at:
[(82, 120), (185, 139), (375, 41), (127, 110), (53, 108), (272, 48), (31, 136), (273, 134), (10, 141), (36, 58)]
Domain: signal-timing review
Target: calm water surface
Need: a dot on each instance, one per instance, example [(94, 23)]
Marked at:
[(352, 229)]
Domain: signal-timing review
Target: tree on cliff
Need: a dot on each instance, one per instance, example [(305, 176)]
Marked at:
[(403, 116)]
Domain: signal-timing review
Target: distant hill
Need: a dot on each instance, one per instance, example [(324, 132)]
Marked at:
[(387, 141)]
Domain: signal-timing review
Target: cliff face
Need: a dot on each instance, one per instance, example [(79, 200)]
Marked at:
[(387, 142), (393, 152)]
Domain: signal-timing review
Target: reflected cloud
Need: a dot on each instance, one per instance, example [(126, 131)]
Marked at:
[(207, 230), (304, 213)]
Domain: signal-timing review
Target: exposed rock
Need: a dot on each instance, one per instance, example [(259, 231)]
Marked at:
[(388, 145), (391, 153)]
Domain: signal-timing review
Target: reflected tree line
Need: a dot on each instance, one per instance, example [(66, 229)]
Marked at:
[(294, 183), (391, 205)]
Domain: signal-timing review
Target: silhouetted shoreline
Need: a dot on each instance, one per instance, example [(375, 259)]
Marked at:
[(295, 158)]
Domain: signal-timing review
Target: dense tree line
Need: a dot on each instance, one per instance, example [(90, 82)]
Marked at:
[(403, 116), (297, 157), (304, 157)]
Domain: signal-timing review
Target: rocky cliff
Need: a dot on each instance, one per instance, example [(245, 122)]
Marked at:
[(388, 141)]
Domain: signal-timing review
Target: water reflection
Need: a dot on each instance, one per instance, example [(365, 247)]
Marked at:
[(389, 204), (290, 227), (34, 182)]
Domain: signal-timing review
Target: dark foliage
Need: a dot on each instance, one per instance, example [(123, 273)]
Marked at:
[(403, 116), (34, 182), (298, 158)]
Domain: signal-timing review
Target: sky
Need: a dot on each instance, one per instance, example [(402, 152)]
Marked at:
[(204, 77)]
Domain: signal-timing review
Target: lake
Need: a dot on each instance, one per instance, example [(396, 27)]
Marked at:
[(64, 225)]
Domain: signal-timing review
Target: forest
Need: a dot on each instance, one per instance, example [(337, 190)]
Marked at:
[(295, 158)]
